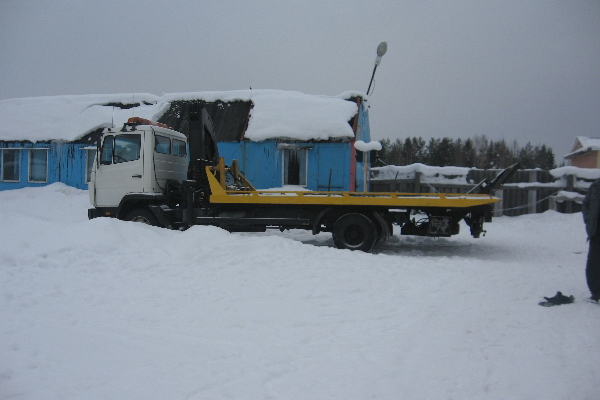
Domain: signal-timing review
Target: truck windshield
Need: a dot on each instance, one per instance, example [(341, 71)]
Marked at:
[(120, 148)]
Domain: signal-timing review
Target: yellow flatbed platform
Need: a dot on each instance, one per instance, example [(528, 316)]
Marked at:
[(219, 195)]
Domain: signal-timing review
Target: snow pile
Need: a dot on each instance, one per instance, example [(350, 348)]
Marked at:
[(106, 309), (456, 175), (583, 177), (286, 188), (579, 173), (275, 114), (364, 147), (564, 195)]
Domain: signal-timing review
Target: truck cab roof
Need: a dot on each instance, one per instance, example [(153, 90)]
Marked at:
[(137, 124)]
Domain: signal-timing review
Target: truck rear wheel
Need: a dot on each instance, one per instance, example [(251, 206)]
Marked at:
[(355, 232), (143, 216)]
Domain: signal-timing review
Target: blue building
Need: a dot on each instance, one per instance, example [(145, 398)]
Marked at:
[(27, 164), (279, 138), (45, 140)]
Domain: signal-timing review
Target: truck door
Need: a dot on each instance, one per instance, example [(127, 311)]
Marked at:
[(120, 168)]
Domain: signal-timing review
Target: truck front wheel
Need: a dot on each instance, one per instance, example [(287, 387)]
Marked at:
[(354, 232), (143, 216)]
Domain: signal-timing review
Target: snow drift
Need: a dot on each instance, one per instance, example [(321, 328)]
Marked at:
[(106, 309)]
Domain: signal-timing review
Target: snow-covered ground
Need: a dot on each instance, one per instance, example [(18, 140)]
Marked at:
[(106, 309)]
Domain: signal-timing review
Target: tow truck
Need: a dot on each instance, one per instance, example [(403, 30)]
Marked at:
[(147, 172)]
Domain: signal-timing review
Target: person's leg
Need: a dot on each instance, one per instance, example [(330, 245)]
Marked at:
[(592, 269)]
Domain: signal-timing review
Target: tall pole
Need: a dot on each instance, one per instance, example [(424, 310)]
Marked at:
[(366, 171), (372, 76)]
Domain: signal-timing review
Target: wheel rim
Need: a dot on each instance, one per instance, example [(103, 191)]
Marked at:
[(354, 235)]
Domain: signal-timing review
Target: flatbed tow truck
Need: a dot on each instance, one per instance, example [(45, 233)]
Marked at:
[(142, 173)]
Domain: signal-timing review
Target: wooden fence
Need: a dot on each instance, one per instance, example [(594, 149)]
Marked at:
[(527, 192)]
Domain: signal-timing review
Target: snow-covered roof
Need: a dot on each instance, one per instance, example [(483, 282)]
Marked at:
[(582, 145), (69, 117), (275, 114)]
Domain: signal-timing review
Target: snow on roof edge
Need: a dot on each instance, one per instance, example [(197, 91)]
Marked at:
[(71, 117), (247, 95)]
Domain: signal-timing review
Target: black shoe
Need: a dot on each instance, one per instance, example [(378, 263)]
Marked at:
[(557, 300), (595, 298)]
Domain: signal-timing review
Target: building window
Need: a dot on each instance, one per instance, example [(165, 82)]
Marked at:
[(294, 166), (38, 165), (90, 156), (11, 161)]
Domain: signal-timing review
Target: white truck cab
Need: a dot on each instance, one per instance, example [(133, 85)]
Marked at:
[(136, 160)]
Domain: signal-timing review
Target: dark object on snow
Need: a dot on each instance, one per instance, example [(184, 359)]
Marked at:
[(557, 300)]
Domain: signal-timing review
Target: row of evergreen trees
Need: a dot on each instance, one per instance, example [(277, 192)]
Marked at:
[(478, 152)]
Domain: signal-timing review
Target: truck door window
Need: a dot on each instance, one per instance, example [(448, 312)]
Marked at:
[(127, 148), (179, 148), (162, 144), (107, 150)]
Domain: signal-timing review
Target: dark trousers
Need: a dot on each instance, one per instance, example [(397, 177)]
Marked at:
[(592, 269)]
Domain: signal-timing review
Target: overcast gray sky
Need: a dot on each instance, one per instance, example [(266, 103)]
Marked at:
[(527, 69)]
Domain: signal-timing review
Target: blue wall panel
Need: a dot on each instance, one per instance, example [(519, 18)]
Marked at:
[(326, 159), (73, 164), (364, 134), (257, 160), (66, 163), (262, 163), (364, 130)]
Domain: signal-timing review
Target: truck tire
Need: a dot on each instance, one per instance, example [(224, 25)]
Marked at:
[(355, 232), (142, 215)]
